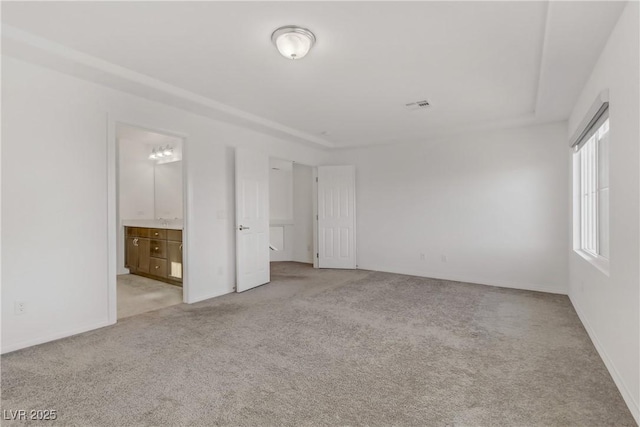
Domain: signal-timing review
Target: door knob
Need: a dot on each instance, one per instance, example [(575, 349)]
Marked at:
[(243, 228)]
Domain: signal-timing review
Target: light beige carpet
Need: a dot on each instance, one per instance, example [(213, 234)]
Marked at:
[(334, 348), (137, 294)]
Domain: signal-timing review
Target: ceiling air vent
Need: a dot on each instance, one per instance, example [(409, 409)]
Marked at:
[(418, 105)]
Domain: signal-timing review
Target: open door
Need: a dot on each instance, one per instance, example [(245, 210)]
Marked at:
[(337, 217), (252, 219)]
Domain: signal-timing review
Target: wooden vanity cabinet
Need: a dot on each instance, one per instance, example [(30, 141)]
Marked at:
[(131, 253), (158, 268), (137, 254), (144, 257), (158, 233), (155, 253), (158, 248)]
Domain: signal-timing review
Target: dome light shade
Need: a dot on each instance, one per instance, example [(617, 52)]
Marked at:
[(293, 42)]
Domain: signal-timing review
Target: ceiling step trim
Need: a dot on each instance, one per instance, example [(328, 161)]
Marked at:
[(24, 45)]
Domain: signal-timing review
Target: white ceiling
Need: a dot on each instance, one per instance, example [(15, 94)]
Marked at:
[(480, 64)]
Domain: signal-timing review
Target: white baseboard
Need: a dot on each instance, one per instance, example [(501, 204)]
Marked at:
[(470, 279), (617, 378), (53, 337)]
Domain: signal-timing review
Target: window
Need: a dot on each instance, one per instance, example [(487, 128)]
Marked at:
[(592, 162)]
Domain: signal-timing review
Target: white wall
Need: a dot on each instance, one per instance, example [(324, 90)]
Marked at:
[(58, 197), (609, 305), (495, 204), (281, 236), (280, 190), (281, 229), (303, 213)]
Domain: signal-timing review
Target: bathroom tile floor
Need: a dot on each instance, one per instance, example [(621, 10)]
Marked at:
[(137, 294)]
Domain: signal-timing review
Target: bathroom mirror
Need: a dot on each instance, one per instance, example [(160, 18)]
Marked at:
[(168, 190)]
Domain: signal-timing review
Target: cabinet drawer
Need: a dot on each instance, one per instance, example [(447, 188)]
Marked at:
[(158, 248), (158, 267), (137, 232), (175, 235), (158, 233)]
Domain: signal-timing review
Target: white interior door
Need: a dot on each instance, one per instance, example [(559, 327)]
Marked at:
[(252, 219), (337, 217)]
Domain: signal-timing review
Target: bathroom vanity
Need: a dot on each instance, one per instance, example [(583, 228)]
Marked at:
[(154, 252)]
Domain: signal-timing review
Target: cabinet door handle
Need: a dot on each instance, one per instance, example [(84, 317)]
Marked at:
[(135, 242), (155, 234), (157, 267), (242, 227), (156, 248), (180, 246)]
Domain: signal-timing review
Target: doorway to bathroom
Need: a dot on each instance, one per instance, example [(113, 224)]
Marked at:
[(150, 220), (291, 217)]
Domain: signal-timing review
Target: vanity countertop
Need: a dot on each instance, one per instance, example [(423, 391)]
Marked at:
[(170, 224)]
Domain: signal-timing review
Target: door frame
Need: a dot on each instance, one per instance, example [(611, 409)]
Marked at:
[(113, 214), (314, 207), (314, 204)]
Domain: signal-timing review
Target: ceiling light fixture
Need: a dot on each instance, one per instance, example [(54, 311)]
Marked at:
[(293, 42)]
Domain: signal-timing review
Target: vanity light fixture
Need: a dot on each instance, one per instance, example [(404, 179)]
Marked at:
[(293, 42), (160, 152)]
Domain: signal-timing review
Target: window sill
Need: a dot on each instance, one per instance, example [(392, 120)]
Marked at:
[(600, 263)]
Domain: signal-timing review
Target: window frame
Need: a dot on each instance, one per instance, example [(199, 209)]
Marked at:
[(586, 154)]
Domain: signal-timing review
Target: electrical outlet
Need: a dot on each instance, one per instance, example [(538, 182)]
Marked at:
[(443, 258), (20, 307)]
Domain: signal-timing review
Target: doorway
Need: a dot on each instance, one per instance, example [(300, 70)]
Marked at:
[(265, 198), (291, 217), (150, 220)]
